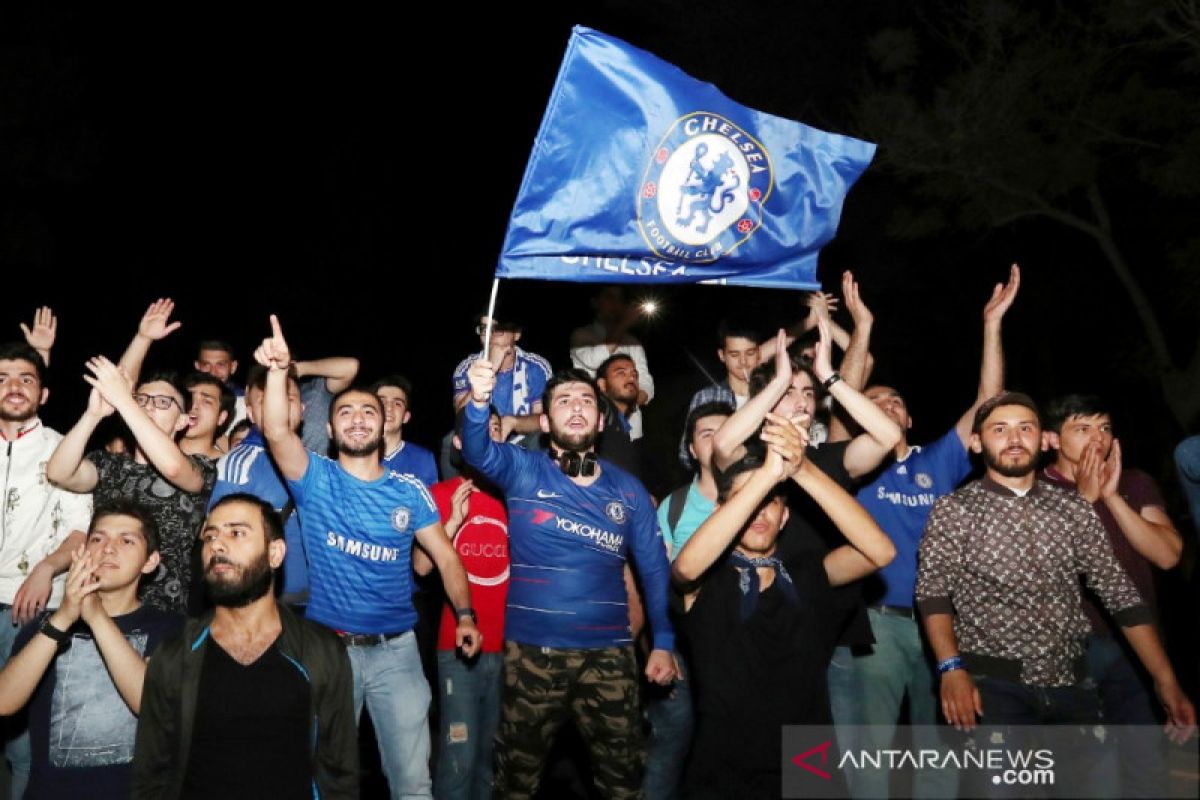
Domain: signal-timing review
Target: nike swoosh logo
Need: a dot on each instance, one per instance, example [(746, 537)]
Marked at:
[(544, 495)]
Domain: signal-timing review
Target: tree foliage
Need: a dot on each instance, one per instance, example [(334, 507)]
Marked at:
[(994, 111)]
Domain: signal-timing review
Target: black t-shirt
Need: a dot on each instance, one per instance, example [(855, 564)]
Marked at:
[(754, 676), (80, 728), (251, 737), (809, 530)]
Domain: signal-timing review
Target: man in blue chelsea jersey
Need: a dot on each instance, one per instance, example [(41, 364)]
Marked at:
[(573, 521), (359, 522)]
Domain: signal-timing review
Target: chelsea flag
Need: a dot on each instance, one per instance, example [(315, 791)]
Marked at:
[(640, 173)]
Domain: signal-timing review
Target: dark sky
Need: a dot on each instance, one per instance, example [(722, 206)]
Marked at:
[(353, 173)]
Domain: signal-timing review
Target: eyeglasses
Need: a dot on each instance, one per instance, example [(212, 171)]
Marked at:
[(497, 327), (160, 401)]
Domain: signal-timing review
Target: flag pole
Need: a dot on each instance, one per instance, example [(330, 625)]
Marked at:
[(491, 310)]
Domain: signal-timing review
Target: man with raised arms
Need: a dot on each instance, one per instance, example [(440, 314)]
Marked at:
[(574, 520), (900, 498), (359, 524), (762, 624)]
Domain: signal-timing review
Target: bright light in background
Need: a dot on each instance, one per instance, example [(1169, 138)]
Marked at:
[(649, 307)]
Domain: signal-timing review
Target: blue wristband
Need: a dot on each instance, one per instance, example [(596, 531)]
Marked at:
[(949, 665)]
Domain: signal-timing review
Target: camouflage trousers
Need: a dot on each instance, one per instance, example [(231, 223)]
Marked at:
[(546, 686)]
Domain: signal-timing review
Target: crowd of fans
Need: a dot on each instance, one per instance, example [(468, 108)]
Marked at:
[(199, 601)]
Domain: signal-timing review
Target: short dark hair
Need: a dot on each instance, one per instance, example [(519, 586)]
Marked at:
[(1061, 409), (499, 324), (460, 418), (736, 329), (1003, 399), (806, 339), (400, 382), (227, 399), (124, 507), (20, 351), (764, 373), (356, 389), (165, 376), (243, 424), (215, 344), (747, 463), (565, 376), (272, 522), (256, 377), (710, 409), (602, 370)]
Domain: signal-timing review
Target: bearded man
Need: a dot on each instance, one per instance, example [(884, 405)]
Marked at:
[(251, 701), (998, 577), (573, 521), (360, 523)]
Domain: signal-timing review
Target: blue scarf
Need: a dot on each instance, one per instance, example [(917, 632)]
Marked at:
[(748, 580)]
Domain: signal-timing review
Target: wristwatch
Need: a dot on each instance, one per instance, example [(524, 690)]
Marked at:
[(466, 611)]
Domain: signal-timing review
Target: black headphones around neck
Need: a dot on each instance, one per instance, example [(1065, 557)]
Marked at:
[(574, 465)]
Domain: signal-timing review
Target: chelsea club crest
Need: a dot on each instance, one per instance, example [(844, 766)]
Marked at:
[(615, 512), (400, 519), (703, 192)]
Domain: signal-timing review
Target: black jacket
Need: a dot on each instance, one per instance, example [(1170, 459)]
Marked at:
[(168, 712)]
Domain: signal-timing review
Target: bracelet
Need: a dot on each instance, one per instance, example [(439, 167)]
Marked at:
[(831, 380), (466, 611), (949, 665), (61, 638)]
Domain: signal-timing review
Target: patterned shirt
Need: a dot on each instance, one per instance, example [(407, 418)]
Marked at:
[(1008, 568), (179, 515)]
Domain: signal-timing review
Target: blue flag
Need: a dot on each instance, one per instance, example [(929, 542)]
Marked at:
[(640, 173)]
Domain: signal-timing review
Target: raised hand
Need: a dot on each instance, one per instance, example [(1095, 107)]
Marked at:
[(1112, 471), (108, 379), (785, 446), (458, 504), (821, 305), (482, 376), (273, 353), (854, 304), (79, 599), (783, 361), (1089, 473), (823, 358), (156, 322), (97, 406), (41, 335), (1002, 296)]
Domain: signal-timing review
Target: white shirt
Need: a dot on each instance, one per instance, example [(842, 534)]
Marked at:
[(36, 516)]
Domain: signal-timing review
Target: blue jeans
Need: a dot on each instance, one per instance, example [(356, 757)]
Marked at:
[(845, 697), (1141, 768), (669, 710), (469, 714), (1006, 703), (14, 730), (389, 678), (896, 665)]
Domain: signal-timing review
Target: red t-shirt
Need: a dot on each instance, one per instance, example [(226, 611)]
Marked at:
[(1139, 491), (482, 546)]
